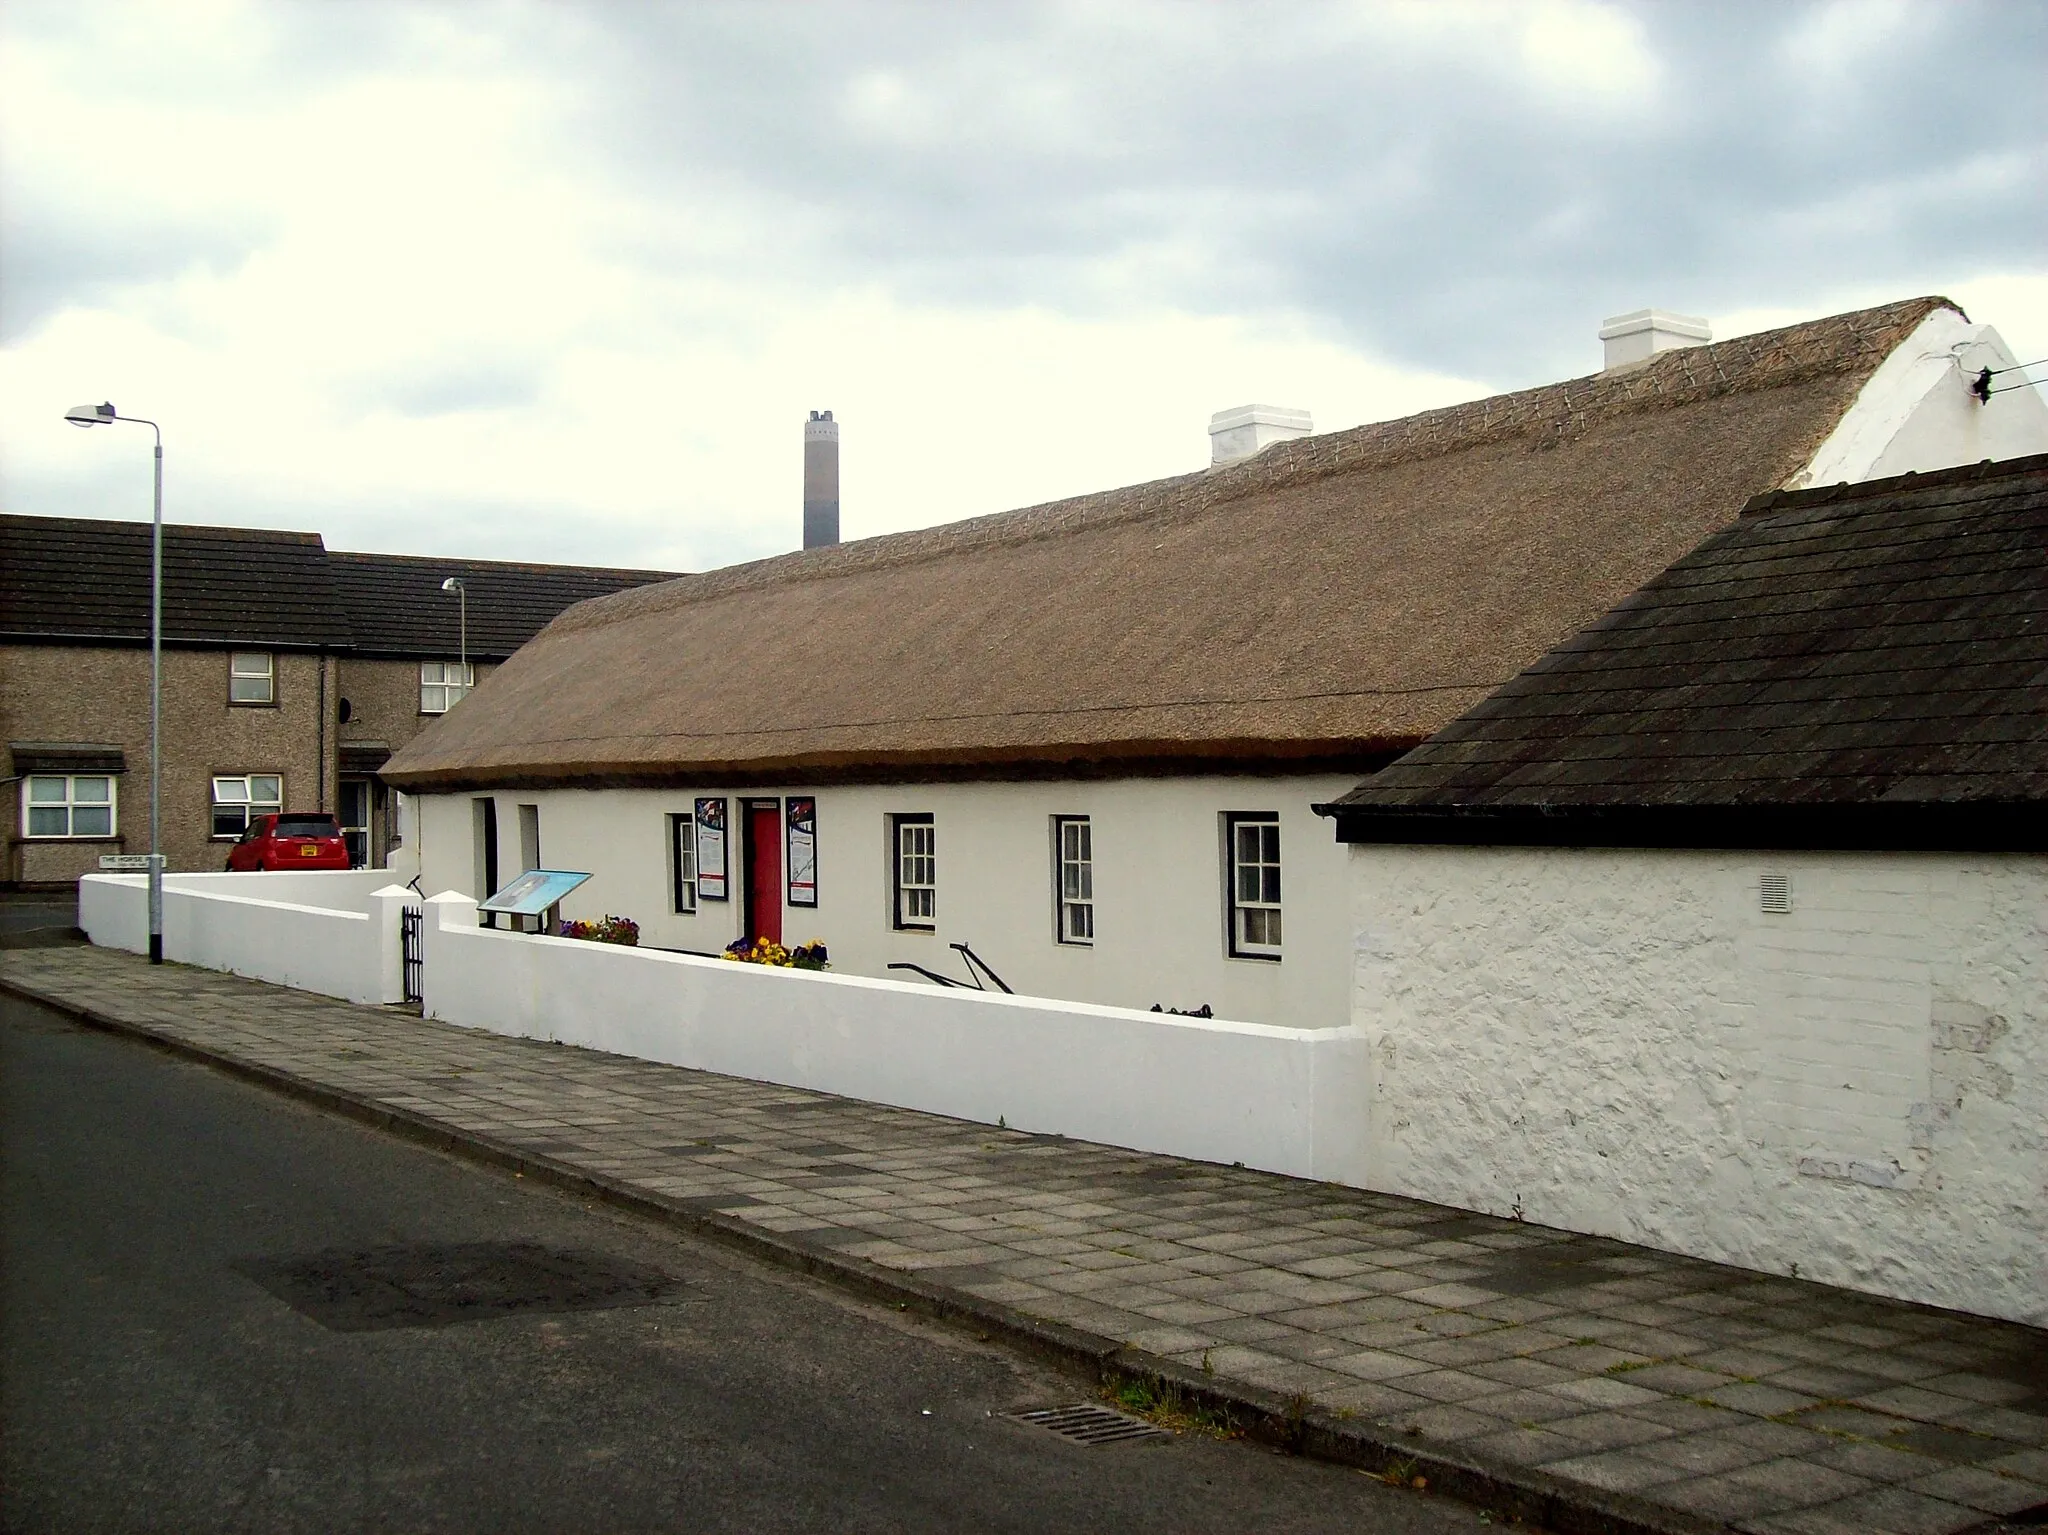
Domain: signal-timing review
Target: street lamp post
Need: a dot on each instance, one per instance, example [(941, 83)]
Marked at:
[(454, 584), (99, 415)]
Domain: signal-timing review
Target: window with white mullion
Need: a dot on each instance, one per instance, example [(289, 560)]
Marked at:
[(917, 872), (68, 805), (444, 684), (1074, 844), (682, 844), (239, 798), (1254, 846), (251, 677)]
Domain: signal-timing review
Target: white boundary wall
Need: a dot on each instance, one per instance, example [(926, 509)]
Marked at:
[(1285, 1100), (1623, 1042), (333, 931), (1281, 1099)]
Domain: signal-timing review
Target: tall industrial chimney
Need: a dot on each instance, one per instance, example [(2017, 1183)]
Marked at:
[(821, 480)]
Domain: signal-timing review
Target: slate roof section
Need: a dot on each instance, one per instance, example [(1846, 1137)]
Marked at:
[(1327, 603), (396, 607), (86, 580), (1860, 665)]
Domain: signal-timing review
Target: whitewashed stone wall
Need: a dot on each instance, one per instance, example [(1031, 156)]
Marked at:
[(1623, 1042)]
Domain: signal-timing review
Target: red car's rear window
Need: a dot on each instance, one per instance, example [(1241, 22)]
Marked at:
[(305, 826)]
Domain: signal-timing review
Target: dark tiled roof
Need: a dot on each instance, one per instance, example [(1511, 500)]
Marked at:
[(83, 579), (86, 579), (396, 607), (1834, 658)]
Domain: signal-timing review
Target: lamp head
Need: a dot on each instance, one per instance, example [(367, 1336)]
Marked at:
[(452, 584), (89, 415)]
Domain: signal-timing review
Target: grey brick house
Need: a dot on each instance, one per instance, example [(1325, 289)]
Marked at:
[(290, 674)]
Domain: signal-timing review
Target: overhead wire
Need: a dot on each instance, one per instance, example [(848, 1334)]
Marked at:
[(1982, 387)]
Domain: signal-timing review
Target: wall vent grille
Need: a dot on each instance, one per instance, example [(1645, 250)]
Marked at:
[(1774, 892)]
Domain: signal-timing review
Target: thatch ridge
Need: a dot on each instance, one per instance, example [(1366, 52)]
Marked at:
[(1763, 360)]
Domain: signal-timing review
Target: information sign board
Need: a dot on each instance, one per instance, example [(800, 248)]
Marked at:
[(533, 892), (802, 859), (711, 849)]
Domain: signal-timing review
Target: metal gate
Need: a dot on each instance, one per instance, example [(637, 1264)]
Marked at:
[(409, 942)]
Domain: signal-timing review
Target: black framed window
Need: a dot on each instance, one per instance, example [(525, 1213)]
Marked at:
[(1073, 842), (914, 843), (1252, 849), (682, 863)]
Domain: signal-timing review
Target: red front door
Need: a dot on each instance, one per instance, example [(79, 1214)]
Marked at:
[(764, 872)]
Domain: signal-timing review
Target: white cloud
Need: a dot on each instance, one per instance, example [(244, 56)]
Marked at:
[(689, 454), (563, 282), (1829, 42)]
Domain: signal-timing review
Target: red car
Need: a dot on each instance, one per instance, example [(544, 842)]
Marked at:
[(294, 840)]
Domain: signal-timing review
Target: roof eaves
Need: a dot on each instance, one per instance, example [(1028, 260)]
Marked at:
[(1958, 826)]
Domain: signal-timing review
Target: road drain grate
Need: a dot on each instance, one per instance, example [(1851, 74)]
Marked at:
[(1088, 1424)]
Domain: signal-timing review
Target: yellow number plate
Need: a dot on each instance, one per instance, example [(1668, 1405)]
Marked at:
[(309, 852)]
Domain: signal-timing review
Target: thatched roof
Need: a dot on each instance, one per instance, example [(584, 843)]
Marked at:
[(1330, 601)]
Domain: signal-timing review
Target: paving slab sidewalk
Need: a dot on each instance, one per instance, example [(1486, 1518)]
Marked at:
[(1582, 1382)]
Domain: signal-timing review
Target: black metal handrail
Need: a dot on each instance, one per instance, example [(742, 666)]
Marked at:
[(931, 975), (976, 968), (973, 960)]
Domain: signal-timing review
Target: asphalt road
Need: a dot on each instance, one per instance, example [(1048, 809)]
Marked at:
[(224, 1310), (22, 913)]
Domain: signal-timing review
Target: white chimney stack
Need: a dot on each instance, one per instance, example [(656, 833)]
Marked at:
[(1239, 433), (1637, 337)]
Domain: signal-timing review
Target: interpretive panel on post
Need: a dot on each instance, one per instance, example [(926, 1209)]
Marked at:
[(533, 892)]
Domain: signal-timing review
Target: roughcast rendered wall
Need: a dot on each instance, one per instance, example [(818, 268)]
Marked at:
[(1625, 1043)]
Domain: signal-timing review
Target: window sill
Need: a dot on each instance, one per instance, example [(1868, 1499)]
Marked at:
[(34, 841), (1264, 959), (243, 703)]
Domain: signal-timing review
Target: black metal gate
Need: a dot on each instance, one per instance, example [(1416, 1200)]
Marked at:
[(409, 942)]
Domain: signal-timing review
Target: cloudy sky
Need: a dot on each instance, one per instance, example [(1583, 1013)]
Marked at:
[(554, 281)]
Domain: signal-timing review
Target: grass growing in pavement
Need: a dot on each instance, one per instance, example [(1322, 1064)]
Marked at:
[(1166, 1405)]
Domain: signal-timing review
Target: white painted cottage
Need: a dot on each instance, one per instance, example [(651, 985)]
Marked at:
[(1085, 738), (1724, 928)]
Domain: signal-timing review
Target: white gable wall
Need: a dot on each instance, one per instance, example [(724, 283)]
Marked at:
[(1159, 883), (1916, 412), (1622, 1042)]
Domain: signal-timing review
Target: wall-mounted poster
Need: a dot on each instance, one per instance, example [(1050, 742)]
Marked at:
[(803, 851), (711, 850)]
